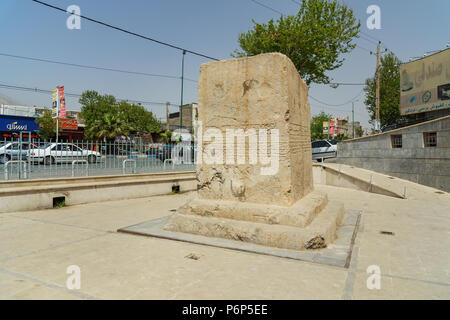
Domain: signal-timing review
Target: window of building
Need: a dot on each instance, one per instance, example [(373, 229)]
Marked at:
[(430, 139), (396, 141)]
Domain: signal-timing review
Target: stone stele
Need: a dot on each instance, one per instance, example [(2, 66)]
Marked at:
[(251, 199)]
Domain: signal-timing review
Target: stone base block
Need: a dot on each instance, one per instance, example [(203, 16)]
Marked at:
[(320, 232), (298, 215)]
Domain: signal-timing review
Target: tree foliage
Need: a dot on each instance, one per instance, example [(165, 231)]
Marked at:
[(47, 125), (317, 126), (106, 118), (314, 39), (389, 91), (166, 136)]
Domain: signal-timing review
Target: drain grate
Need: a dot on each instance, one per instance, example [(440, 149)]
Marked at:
[(389, 233)]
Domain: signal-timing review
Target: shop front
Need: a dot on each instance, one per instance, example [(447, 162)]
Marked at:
[(11, 127), (71, 132)]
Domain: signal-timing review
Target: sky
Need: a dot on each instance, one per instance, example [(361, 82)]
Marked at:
[(409, 28)]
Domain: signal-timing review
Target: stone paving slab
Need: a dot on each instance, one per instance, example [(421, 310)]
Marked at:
[(337, 254)]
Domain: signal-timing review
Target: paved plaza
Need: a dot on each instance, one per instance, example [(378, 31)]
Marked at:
[(407, 239)]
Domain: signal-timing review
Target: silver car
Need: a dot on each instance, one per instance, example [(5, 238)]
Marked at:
[(13, 151), (51, 153), (324, 149)]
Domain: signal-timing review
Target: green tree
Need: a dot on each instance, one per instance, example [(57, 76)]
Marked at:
[(389, 91), (93, 111), (359, 132), (107, 127), (138, 119), (47, 125), (342, 137), (314, 39), (166, 136), (106, 118), (317, 126)]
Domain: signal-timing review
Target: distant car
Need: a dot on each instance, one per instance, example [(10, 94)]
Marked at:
[(164, 152), (324, 149), (176, 152), (13, 151), (51, 153)]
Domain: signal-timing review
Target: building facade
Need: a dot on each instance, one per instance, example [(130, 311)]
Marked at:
[(189, 118)]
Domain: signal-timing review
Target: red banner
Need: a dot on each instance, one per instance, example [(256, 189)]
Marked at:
[(62, 102)]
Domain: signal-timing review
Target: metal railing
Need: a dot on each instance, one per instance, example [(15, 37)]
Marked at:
[(41, 159)]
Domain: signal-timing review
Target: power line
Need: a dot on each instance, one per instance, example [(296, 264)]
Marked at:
[(266, 6), (336, 105), (126, 31), (77, 95), (94, 67), (346, 84), (365, 49), (340, 110)]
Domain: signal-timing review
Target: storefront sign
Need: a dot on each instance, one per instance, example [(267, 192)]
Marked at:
[(17, 124), (68, 124)]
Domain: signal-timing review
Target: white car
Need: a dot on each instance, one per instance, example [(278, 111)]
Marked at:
[(13, 151), (324, 149), (51, 153)]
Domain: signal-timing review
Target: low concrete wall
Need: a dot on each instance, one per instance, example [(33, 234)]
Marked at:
[(332, 177), (39, 194), (429, 166)]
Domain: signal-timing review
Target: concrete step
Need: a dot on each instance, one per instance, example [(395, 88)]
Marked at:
[(318, 234), (300, 214)]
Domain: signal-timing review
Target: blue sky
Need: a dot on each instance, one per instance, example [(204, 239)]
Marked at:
[(408, 28)]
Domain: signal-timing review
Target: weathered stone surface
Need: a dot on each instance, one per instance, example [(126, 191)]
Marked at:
[(260, 92), (323, 227), (299, 215), (237, 198)]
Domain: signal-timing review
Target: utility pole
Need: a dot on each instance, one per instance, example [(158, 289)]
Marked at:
[(167, 115), (182, 84), (377, 99)]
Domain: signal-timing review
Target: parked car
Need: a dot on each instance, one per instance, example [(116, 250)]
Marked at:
[(51, 153), (176, 152), (165, 152), (119, 149), (324, 149), (13, 151)]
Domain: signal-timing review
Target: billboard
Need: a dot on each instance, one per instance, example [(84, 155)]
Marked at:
[(425, 84)]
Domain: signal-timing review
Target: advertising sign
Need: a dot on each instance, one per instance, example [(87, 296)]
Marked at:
[(62, 102), (325, 127), (425, 84), (55, 103)]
